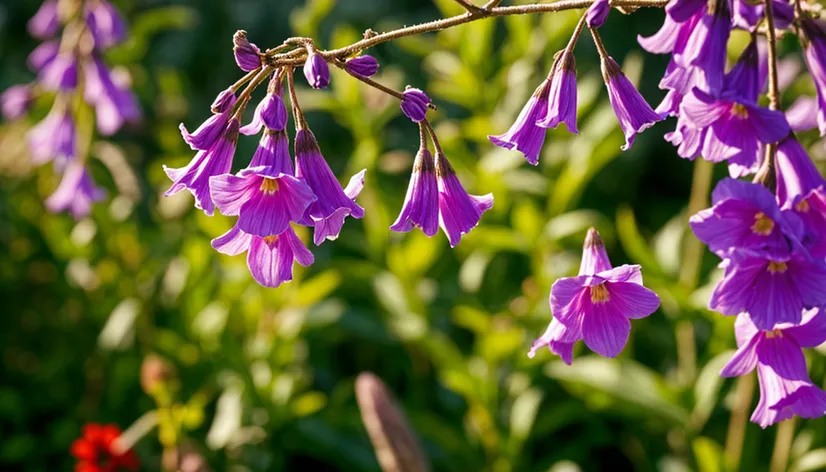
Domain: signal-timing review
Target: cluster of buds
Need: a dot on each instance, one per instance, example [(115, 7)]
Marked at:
[(71, 69)]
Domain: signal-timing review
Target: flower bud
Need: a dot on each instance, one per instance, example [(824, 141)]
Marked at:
[(316, 71), (362, 65), (224, 101), (15, 101), (247, 55), (414, 105)]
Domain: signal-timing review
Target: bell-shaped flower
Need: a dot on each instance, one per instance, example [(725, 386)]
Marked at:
[(597, 13), (114, 104), (316, 70), (706, 46), (270, 112), (801, 189), (15, 101), (633, 112), (421, 203), (105, 23), (60, 73), (561, 106), (459, 212), (364, 65), (247, 54), (813, 38), (53, 138), (211, 129), (76, 192), (525, 135), (414, 104)]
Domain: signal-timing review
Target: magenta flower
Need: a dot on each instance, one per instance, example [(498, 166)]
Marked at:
[(736, 128), (333, 204), (106, 24), (802, 114), (562, 94), (264, 201), (596, 305), (274, 152), (772, 289), (224, 101), (114, 105), (60, 73), (414, 104), (247, 54), (748, 76), (671, 34), (270, 112), (748, 15), (813, 38), (633, 112), (209, 131), (270, 259), (421, 204), (15, 101), (785, 387), (801, 189), (597, 13), (525, 135), (706, 46), (745, 215), (45, 23), (76, 192), (53, 138), (216, 159), (316, 70), (682, 10), (459, 212), (42, 55), (363, 65)]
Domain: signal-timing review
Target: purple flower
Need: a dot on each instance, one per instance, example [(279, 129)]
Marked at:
[(748, 76), (270, 112), (801, 189), (562, 94), (45, 23), (216, 159), (459, 212), (224, 101), (247, 54), (114, 105), (270, 258), (596, 305), (76, 192), (597, 13), (671, 36), (421, 204), (15, 101), (525, 135), (363, 65), (316, 70), (813, 38), (735, 128), (414, 104), (264, 201), (706, 47), (785, 387), (772, 289), (209, 131), (43, 54), (274, 152), (744, 215), (748, 15), (60, 73), (802, 114), (633, 112), (106, 24), (333, 204), (53, 138), (682, 10)]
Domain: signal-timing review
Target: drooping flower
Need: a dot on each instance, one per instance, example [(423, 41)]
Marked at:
[(216, 159), (274, 152), (596, 305), (748, 76), (60, 73), (562, 94), (745, 215), (54, 137), (706, 46), (682, 10), (45, 23), (270, 259), (316, 70), (414, 104), (748, 15), (772, 289), (15, 101), (813, 38), (633, 112), (736, 127), (209, 131), (459, 212), (42, 55), (421, 203), (802, 114), (525, 135), (364, 65), (97, 450), (802, 190), (247, 54), (785, 387), (597, 13), (224, 101), (333, 204), (666, 39), (270, 112), (76, 192), (114, 105), (264, 201), (106, 23)]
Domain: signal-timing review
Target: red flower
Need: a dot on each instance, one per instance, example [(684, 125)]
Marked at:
[(96, 451)]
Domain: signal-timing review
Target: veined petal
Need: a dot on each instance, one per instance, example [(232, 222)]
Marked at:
[(743, 361), (605, 331), (631, 300), (233, 242)]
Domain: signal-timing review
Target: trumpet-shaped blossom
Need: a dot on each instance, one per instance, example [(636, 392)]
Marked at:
[(785, 387), (748, 76), (802, 190), (274, 152), (316, 71), (633, 112), (247, 54), (597, 13), (211, 129), (748, 15), (216, 159), (561, 106), (270, 112), (745, 215), (705, 48), (596, 305), (772, 289), (76, 192), (15, 101), (60, 73), (364, 65), (333, 204), (459, 212), (114, 105), (53, 138), (414, 104), (105, 23), (224, 101), (42, 55), (525, 135), (813, 38), (421, 204), (270, 259), (45, 23)]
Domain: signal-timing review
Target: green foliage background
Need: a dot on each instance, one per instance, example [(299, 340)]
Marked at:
[(265, 377)]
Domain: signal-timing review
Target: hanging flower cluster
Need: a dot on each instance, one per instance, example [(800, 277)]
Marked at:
[(71, 69), (272, 194)]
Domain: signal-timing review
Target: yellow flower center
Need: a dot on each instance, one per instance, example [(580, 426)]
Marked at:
[(271, 239), (775, 333), (739, 110), (599, 294), (802, 206), (763, 225), (269, 186), (777, 267)]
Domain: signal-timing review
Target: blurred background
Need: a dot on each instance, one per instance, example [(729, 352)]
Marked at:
[(130, 316)]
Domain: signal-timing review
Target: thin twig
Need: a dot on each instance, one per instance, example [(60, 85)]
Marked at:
[(782, 445), (737, 424), (470, 7), (394, 93), (766, 174)]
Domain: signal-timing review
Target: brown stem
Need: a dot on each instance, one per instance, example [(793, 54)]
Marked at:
[(260, 77), (298, 115), (782, 445), (767, 174), (367, 80), (603, 53), (577, 32), (436, 146), (737, 424)]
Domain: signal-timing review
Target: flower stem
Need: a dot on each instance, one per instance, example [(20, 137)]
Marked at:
[(395, 93), (782, 445), (767, 174), (298, 115), (737, 425)]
